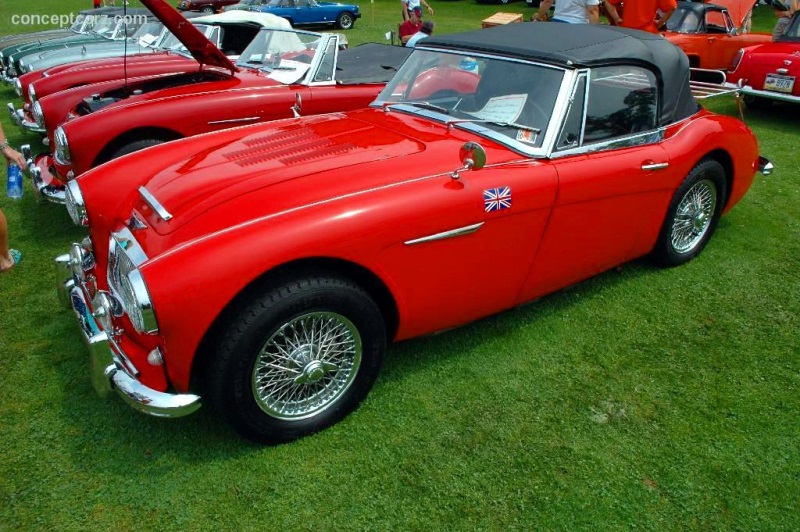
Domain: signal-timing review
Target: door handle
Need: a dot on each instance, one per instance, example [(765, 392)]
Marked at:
[(650, 165)]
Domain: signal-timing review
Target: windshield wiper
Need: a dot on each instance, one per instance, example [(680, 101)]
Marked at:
[(429, 106), (457, 121)]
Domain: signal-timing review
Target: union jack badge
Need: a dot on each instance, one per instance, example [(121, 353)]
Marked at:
[(495, 199)]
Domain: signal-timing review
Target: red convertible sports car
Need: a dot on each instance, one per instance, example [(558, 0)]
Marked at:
[(771, 71), (264, 269), (712, 33), (101, 122)]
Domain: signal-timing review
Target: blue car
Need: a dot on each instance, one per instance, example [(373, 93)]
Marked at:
[(302, 12)]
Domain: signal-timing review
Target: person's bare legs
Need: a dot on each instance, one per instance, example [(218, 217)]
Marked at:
[(6, 261)]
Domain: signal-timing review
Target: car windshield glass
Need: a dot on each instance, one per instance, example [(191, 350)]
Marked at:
[(104, 26), (78, 24), (281, 3), (148, 33), (127, 26), (285, 54), (172, 43), (508, 100), (792, 33), (684, 20)]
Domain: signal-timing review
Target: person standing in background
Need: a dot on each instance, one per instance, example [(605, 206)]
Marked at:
[(784, 18), (409, 5), (645, 15), (8, 257), (571, 11)]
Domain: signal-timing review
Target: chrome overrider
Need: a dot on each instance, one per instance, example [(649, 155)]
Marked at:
[(24, 125), (111, 369), (42, 190)]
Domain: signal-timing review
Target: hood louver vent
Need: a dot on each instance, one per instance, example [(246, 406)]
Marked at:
[(287, 147)]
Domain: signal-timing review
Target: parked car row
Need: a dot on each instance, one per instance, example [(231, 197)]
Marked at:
[(297, 12), (260, 229)]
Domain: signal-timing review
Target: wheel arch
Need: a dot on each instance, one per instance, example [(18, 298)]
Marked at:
[(360, 275), (725, 159), (160, 133)]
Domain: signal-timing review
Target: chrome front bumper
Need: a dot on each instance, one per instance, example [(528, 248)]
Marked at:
[(25, 125), (110, 368), (45, 186)]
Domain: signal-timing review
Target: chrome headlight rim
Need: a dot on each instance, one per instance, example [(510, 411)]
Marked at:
[(140, 309), (32, 93), (76, 206), (38, 114), (18, 87), (61, 149)]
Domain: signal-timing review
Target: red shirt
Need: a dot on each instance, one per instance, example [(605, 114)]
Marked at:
[(408, 28), (640, 14)]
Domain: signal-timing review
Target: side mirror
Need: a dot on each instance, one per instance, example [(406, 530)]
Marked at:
[(473, 157), (298, 105)]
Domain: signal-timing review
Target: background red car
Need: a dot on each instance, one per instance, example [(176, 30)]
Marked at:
[(771, 71)]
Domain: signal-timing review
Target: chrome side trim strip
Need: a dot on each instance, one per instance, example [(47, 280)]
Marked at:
[(234, 120), (468, 230), (154, 203)]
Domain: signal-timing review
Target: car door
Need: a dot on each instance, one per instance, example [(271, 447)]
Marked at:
[(611, 172), (471, 243)]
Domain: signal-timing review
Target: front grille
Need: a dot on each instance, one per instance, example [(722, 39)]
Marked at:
[(119, 266)]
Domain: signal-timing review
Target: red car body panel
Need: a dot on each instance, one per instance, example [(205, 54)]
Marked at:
[(566, 224), (714, 51)]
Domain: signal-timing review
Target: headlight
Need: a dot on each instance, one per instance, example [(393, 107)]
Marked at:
[(136, 303), (75, 204), (31, 92), (38, 114), (2, 59), (61, 149), (126, 281), (18, 87), (22, 66)]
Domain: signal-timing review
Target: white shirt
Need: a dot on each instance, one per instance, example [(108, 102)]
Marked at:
[(574, 11), (415, 39)]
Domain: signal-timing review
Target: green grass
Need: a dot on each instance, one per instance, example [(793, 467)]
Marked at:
[(643, 398)]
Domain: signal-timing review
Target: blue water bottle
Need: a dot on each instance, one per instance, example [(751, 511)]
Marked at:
[(14, 183)]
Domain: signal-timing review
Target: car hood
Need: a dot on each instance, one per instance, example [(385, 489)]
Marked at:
[(738, 9), (307, 152), (198, 45)]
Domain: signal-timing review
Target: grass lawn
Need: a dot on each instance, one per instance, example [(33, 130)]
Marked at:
[(643, 398)]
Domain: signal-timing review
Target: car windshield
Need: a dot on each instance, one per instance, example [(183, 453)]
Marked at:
[(104, 26), (127, 27), (684, 20), (148, 33), (172, 43), (503, 99), (286, 55), (77, 26)]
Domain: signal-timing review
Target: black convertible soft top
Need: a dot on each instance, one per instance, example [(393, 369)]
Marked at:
[(586, 45), (369, 63)]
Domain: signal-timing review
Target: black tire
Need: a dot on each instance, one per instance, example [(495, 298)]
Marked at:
[(324, 384), (692, 215), (345, 21), (207, 9), (753, 102), (135, 146)]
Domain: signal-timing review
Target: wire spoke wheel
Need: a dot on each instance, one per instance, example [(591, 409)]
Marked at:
[(306, 365), (693, 216)]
